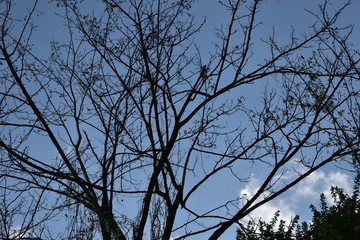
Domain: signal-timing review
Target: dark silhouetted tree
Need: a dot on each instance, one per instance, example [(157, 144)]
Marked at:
[(127, 122), (340, 221)]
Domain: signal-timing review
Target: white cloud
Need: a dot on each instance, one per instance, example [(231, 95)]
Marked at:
[(320, 182), (19, 233), (250, 188), (309, 187), (306, 192), (266, 212)]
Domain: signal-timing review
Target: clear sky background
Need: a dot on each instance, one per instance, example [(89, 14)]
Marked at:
[(280, 14)]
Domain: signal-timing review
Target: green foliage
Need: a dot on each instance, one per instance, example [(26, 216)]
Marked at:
[(339, 221), (276, 229)]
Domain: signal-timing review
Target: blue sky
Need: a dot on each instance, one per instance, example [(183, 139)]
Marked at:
[(280, 14)]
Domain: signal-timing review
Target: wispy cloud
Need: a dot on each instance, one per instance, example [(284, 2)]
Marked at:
[(300, 196), (322, 182)]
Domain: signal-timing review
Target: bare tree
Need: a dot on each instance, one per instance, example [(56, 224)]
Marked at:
[(136, 122), (20, 211)]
